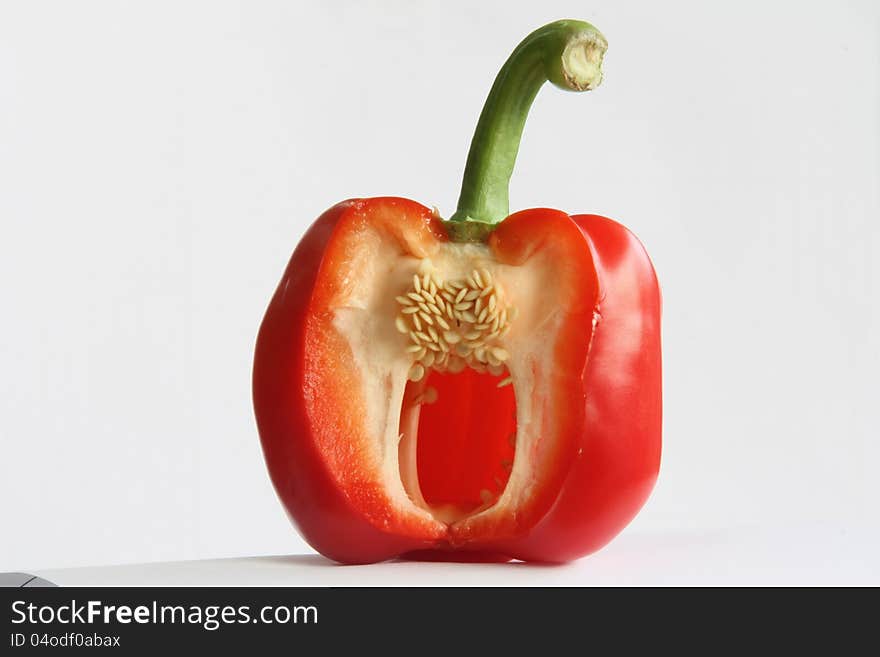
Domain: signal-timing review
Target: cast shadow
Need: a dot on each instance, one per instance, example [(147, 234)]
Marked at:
[(318, 561)]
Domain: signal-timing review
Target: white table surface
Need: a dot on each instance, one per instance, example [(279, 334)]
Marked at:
[(809, 555)]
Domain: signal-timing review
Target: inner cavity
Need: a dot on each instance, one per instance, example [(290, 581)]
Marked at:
[(458, 441)]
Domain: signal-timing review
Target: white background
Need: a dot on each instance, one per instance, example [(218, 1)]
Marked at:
[(159, 162)]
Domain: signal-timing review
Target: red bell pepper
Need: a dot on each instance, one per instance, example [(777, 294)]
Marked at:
[(482, 387)]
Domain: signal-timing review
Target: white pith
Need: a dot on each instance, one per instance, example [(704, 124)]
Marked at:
[(365, 317)]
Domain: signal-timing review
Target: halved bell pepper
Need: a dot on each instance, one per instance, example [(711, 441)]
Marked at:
[(485, 387)]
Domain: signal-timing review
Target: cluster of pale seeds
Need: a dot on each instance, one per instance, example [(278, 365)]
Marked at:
[(454, 324)]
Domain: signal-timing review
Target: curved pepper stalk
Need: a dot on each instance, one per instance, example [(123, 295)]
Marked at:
[(567, 53)]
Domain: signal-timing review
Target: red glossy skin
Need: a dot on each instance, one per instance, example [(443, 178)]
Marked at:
[(596, 480), (613, 475)]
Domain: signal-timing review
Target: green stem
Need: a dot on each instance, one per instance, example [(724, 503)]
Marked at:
[(568, 54)]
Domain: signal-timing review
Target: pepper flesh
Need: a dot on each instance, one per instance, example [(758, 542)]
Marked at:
[(345, 446)]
